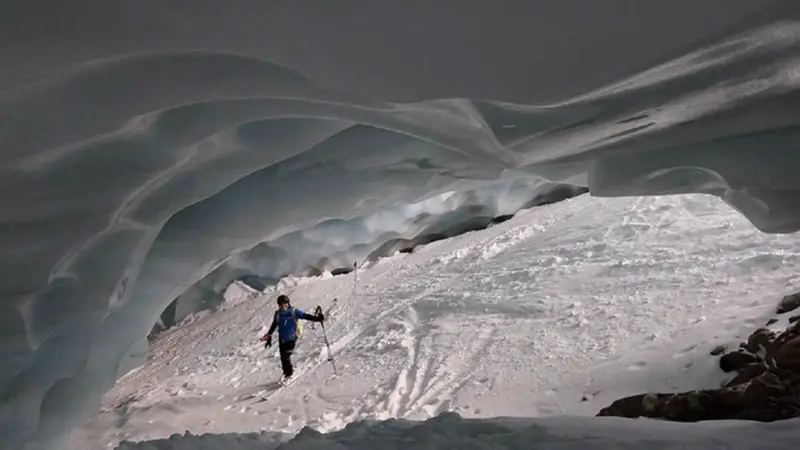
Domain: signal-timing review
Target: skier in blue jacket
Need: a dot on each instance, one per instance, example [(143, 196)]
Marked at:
[(285, 320)]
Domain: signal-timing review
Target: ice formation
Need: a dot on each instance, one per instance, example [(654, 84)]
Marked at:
[(145, 142)]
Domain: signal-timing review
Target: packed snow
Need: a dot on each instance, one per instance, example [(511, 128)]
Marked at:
[(556, 312)]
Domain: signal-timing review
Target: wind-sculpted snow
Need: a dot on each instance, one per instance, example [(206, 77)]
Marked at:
[(143, 143), (451, 431)]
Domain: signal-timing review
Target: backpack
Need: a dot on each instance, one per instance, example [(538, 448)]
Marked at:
[(298, 325)]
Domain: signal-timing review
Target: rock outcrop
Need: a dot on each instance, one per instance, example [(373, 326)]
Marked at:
[(789, 303), (766, 386)]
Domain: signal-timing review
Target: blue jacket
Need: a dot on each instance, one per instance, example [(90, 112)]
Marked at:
[(286, 322)]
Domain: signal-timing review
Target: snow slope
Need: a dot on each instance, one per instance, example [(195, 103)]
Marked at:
[(560, 310)]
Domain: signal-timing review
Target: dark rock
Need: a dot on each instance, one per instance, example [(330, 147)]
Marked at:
[(404, 245), (693, 406), (770, 397), (763, 389), (765, 398), (341, 271), (789, 303), (787, 335), (760, 388), (502, 218), (772, 321), (718, 350), (559, 193), (643, 405), (761, 338), (788, 356), (794, 319), (747, 373), (736, 360), (703, 405)]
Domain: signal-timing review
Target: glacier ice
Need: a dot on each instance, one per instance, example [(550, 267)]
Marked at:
[(143, 143)]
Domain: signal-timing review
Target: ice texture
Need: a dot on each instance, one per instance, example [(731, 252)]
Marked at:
[(144, 143)]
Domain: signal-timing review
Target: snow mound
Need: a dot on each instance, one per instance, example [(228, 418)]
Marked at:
[(450, 431)]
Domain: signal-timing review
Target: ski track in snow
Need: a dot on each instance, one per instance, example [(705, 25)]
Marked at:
[(559, 310)]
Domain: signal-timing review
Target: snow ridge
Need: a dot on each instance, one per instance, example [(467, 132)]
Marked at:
[(449, 430)]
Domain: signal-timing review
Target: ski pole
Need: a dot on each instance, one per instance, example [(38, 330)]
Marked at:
[(325, 336), (355, 280)]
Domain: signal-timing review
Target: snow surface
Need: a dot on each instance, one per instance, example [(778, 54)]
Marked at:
[(143, 144), (449, 432), (558, 311)]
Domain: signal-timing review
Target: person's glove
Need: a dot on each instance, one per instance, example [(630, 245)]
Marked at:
[(267, 338)]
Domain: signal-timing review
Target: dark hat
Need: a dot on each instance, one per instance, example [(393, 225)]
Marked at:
[(283, 299)]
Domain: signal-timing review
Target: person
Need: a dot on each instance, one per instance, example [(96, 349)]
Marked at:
[(285, 320)]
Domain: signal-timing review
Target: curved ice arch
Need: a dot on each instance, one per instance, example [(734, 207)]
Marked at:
[(94, 209), (97, 292)]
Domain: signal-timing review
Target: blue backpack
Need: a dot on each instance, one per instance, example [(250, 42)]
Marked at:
[(298, 325)]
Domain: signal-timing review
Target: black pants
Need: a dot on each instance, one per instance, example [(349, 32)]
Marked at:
[(286, 348)]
